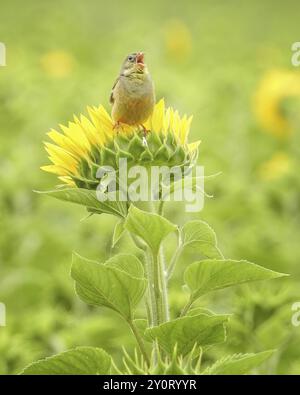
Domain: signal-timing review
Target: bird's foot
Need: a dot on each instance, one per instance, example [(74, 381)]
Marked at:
[(117, 126), (145, 130), (145, 133)]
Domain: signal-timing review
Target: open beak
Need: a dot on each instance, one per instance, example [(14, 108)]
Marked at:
[(140, 58)]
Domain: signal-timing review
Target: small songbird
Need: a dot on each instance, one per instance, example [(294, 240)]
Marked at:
[(132, 95)]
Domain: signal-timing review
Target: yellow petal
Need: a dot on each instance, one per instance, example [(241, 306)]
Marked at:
[(101, 120), (65, 143), (194, 146), (76, 133), (166, 121), (158, 116), (54, 169), (61, 157), (176, 124), (68, 181), (92, 133), (148, 123), (185, 128), (72, 145), (182, 129)]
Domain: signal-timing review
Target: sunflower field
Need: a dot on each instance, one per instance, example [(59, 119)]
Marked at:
[(227, 83)]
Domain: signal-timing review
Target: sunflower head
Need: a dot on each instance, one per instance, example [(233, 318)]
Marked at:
[(78, 150), (276, 167), (177, 39), (57, 64), (273, 101)]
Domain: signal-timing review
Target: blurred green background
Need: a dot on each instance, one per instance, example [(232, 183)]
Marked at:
[(228, 64)]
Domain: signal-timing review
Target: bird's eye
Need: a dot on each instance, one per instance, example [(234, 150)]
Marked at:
[(130, 58)]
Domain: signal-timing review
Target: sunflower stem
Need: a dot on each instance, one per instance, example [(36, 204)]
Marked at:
[(152, 296), (160, 209), (160, 277), (163, 279), (140, 341), (157, 289), (150, 300), (175, 257)]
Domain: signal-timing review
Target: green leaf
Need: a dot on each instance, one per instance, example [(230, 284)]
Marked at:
[(88, 198), (201, 237), (192, 182), (129, 264), (199, 310), (152, 228), (118, 232), (185, 332), (118, 284), (238, 363), (141, 325), (210, 275), (80, 361)]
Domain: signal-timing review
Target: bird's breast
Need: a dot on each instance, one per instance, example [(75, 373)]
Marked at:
[(134, 101)]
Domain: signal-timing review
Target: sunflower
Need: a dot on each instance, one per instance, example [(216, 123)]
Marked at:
[(57, 64), (273, 95), (78, 150), (177, 39), (276, 167)]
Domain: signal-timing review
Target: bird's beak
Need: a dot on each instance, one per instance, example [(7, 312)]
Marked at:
[(140, 58)]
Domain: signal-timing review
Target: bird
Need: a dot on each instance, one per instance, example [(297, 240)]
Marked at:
[(132, 96)]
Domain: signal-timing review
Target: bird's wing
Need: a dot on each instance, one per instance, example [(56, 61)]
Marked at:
[(111, 98)]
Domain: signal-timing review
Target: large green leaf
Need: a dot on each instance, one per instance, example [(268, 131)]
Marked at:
[(118, 284), (194, 183), (185, 332), (199, 236), (128, 263), (80, 361), (88, 198), (118, 232), (238, 363), (152, 228), (210, 275)]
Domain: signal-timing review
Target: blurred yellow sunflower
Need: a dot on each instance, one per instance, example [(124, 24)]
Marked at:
[(178, 39), (58, 63), (86, 144), (276, 87), (276, 167)]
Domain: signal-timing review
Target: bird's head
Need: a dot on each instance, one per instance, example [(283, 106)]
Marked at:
[(134, 63)]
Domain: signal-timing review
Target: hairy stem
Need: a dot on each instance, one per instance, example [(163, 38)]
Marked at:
[(150, 301), (161, 274), (175, 256), (160, 209), (163, 279), (157, 289), (151, 289)]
